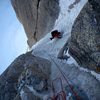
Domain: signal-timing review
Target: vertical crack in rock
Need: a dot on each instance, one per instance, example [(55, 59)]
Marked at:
[(32, 13), (38, 3)]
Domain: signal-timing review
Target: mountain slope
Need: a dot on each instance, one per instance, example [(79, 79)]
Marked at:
[(31, 75)]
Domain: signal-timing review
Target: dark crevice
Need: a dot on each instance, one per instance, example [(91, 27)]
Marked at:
[(96, 7), (38, 3)]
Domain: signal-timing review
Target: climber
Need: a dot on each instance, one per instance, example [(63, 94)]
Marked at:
[(56, 34)]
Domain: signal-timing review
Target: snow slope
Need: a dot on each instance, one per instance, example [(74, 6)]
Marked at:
[(48, 49), (64, 24), (45, 47)]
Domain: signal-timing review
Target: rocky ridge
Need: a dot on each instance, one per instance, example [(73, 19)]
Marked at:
[(26, 70), (29, 77), (84, 45)]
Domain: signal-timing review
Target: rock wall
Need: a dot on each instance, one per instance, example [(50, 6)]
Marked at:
[(26, 70), (85, 37), (37, 16)]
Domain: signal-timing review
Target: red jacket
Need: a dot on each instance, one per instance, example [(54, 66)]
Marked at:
[(55, 34)]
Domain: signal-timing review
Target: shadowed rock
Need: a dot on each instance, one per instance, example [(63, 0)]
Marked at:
[(15, 77), (85, 38)]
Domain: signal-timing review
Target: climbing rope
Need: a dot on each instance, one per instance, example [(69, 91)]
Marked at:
[(65, 77)]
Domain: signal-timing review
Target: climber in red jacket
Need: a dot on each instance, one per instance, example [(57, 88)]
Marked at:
[(55, 34)]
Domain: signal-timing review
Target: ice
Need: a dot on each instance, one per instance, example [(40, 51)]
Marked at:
[(63, 24)]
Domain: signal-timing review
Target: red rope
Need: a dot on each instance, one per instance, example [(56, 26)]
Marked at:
[(78, 98)]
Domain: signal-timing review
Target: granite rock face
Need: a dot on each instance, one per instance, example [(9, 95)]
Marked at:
[(84, 45), (27, 70), (37, 16)]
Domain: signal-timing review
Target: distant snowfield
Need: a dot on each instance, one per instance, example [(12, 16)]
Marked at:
[(45, 47)]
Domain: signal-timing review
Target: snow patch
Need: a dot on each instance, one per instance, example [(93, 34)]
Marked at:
[(34, 92), (31, 89), (96, 75), (21, 92)]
